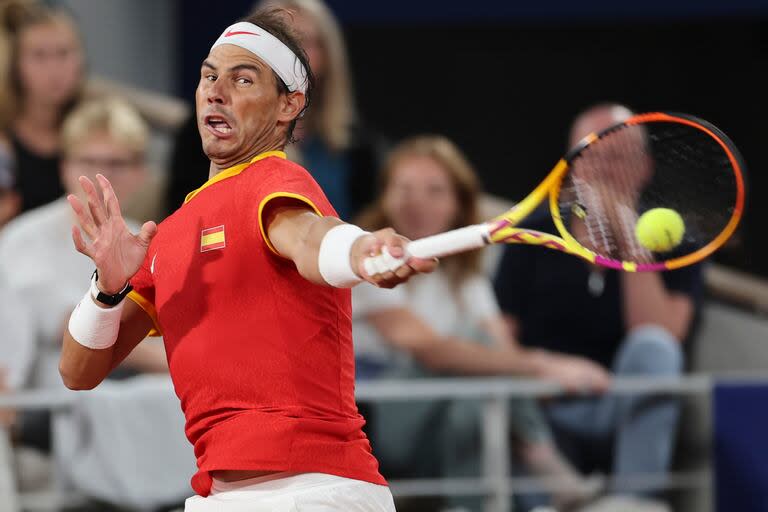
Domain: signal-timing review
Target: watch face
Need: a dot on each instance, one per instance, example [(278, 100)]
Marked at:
[(109, 300)]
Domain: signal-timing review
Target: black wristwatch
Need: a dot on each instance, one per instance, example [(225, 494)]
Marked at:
[(108, 300)]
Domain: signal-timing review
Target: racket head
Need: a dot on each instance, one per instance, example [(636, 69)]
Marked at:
[(652, 160)]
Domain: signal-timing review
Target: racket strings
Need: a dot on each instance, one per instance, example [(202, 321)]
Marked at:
[(696, 177), (635, 146), (599, 187), (598, 233), (634, 168)]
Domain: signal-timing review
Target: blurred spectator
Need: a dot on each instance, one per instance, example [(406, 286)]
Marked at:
[(631, 323), (37, 256), (17, 338), (444, 322), (46, 78), (39, 266), (340, 153)]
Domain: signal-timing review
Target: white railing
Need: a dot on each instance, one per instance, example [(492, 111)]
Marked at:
[(495, 484)]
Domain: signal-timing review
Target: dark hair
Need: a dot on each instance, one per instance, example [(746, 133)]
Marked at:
[(276, 21)]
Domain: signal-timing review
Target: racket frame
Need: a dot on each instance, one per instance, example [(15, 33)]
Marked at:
[(502, 229)]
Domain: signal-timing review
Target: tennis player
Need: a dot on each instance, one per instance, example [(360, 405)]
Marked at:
[(248, 284)]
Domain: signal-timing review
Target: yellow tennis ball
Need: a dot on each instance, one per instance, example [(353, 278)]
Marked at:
[(660, 229)]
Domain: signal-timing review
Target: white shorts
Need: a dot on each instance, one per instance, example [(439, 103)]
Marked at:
[(291, 492)]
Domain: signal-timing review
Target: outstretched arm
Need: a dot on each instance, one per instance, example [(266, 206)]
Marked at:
[(406, 331), (104, 335), (298, 233)]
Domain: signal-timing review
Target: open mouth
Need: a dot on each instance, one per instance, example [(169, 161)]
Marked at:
[(218, 124)]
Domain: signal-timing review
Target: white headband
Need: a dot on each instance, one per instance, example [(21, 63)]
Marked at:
[(270, 49)]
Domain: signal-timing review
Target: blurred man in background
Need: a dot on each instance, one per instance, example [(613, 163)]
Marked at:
[(631, 323), (38, 269), (36, 260)]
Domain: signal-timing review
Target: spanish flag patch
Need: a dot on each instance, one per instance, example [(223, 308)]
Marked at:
[(212, 238)]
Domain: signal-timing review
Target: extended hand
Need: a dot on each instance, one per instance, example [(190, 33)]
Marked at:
[(389, 248), (116, 251)]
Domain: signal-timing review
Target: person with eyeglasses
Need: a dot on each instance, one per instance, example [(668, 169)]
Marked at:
[(38, 269)]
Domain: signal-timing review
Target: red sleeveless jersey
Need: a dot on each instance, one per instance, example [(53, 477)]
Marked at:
[(260, 358)]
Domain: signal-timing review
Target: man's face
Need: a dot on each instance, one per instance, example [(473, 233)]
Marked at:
[(238, 105), (100, 153), (620, 161), (606, 182), (595, 122)]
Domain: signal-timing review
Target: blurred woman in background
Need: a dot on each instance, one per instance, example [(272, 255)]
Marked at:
[(447, 322), (45, 82), (331, 141)]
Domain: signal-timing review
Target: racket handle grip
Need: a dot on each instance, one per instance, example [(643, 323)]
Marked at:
[(450, 242)]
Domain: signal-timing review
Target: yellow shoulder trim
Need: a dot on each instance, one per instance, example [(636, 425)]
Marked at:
[(276, 195), (149, 309), (233, 171)]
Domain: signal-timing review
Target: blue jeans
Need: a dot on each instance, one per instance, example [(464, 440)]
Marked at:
[(641, 428)]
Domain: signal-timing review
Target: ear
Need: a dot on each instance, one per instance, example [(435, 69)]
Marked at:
[(290, 106)]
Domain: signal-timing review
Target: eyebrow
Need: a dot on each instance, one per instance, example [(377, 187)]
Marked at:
[(239, 67)]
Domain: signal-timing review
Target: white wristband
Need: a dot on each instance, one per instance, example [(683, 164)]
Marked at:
[(333, 259), (95, 327)]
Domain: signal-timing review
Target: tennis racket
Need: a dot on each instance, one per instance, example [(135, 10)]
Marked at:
[(599, 190)]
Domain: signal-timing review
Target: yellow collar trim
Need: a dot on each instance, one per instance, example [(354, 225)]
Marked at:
[(233, 171)]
